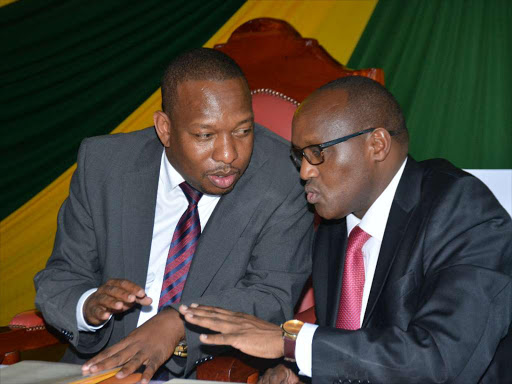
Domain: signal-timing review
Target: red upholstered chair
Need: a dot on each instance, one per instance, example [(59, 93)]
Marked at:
[(273, 55), (274, 110), (26, 331)]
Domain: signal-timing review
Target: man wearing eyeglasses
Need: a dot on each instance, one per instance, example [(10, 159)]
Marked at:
[(412, 269)]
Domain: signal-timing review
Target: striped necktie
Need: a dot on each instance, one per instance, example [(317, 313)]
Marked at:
[(183, 245), (352, 286)]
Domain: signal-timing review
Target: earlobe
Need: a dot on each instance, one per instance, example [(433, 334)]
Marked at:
[(162, 127)]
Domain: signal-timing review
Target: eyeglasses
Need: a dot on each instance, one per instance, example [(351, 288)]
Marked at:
[(314, 154)]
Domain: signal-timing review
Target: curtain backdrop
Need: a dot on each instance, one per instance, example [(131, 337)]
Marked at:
[(73, 68), (449, 65)]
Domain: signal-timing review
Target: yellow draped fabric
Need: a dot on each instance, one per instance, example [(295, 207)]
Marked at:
[(5, 2), (27, 235)]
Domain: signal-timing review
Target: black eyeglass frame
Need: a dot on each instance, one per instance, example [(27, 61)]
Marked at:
[(298, 160)]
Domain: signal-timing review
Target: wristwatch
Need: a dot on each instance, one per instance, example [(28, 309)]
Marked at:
[(290, 329)]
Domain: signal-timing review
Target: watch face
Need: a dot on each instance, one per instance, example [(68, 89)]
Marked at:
[(292, 326)]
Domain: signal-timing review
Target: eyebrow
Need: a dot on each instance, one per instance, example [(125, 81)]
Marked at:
[(248, 120), (245, 121)]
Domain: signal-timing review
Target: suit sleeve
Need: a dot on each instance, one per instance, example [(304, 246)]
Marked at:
[(73, 267), (279, 265), (462, 308)]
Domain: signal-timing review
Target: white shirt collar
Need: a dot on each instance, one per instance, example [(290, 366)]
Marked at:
[(375, 219), (171, 179)]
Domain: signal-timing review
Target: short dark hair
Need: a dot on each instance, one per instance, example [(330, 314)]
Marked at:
[(370, 104), (196, 64)]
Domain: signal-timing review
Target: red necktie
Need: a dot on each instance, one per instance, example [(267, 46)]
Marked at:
[(181, 251), (349, 312)]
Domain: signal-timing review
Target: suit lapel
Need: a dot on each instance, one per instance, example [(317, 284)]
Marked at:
[(225, 226), (336, 258), (138, 218), (406, 198)]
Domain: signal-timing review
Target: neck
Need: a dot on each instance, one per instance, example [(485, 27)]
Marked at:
[(383, 176)]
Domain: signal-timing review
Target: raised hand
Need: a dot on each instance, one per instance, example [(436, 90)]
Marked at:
[(115, 296), (151, 345), (247, 333)]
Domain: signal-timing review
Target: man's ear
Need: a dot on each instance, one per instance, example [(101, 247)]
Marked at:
[(380, 144), (163, 127)]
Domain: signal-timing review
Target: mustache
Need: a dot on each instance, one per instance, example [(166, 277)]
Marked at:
[(223, 171)]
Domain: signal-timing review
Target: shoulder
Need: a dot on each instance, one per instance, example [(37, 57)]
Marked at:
[(266, 139), (272, 151), (123, 142), (454, 198), (117, 147), (271, 156), (109, 157), (442, 181)]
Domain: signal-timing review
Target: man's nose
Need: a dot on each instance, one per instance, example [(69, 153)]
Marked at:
[(225, 150), (307, 171)]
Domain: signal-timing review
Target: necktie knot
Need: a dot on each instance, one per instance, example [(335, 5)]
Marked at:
[(357, 238), (193, 195)]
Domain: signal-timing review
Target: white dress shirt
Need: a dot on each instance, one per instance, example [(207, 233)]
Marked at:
[(373, 223), (171, 202)]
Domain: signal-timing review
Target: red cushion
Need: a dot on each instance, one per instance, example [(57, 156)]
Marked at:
[(28, 319), (274, 112)]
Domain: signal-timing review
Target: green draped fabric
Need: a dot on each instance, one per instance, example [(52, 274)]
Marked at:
[(73, 68), (449, 63)]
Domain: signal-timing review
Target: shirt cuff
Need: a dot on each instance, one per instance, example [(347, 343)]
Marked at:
[(304, 348), (80, 320)]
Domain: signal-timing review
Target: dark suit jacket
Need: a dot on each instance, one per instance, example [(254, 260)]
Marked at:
[(441, 296), (253, 254)]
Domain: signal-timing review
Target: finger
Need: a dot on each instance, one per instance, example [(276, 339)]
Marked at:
[(97, 314), (199, 312), (133, 288), (220, 339), (116, 292), (146, 300), (148, 373), (119, 299), (265, 379), (123, 290), (278, 375), (131, 365), (106, 354), (214, 309), (108, 302), (293, 378), (215, 324), (122, 358)]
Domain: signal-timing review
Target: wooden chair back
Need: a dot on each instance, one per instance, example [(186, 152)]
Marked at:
[(275, 56)]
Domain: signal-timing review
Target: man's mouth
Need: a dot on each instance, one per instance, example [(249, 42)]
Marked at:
[(223, 180), (312, 195)]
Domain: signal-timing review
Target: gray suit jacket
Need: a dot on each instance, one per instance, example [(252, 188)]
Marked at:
[(253, 255)]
